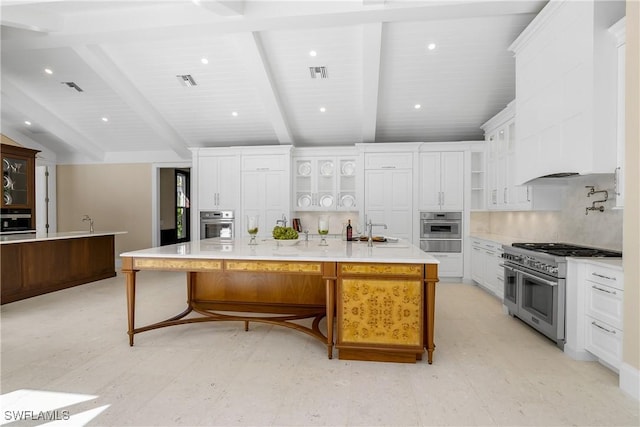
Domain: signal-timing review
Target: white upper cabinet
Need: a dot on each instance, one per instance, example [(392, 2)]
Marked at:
[(217, 178), (566, 90), (324, 183), (441, 181), (503, 192), (619, 31)]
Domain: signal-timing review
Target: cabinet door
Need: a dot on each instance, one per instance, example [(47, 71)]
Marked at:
[(229, 182), (452, 181), (430, 174), (276, 198), (388, 200), (477, 263)]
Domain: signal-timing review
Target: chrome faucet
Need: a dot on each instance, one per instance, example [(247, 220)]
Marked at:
[(88, 218), (370, 226), (282, 222)]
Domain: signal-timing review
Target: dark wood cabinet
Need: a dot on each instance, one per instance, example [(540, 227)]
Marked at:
[(18, 179)]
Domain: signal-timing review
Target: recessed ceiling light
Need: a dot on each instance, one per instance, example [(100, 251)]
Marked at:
[(105, 119), (27, 122), (431, 46), (234, 114), (48, 71), (205, 61), (313, 53), (322, 109), (417, 106)]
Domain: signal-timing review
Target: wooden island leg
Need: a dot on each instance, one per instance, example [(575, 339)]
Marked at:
[(130, 273), (331, 302)]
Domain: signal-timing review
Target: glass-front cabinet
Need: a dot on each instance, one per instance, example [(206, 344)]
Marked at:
[(18, 188), (323, 183)]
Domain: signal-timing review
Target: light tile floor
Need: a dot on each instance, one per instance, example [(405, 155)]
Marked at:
[(489, 369)]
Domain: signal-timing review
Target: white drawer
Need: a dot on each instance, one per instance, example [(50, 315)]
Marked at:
[(274, 162), (388, 161), (604, 303), (604, 341), (605, 276), (450, 264)]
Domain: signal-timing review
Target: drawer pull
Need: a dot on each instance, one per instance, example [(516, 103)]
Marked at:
[(603, 276), (387, 167), (604, 290), (603, 328)]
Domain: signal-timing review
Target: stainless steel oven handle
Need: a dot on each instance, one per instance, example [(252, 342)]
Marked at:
[(539, 279), (508, 267)]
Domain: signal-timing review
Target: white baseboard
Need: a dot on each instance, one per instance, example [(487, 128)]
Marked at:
[(630, 380), (582, 355)]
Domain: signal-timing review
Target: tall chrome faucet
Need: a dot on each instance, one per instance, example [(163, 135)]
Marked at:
[(282, 222), (88, 218), (370, 226)]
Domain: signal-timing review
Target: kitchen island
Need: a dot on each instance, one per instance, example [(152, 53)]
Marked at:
[(37, 263), (382, 297)]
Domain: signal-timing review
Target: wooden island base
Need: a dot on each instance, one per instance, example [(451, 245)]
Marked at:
[(383, 312)]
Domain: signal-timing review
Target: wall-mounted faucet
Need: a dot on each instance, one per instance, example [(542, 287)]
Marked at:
[(88, 218), (593, 207)]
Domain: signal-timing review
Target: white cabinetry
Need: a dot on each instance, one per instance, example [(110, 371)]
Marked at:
[(388, 189), (265, 186), (619, 31), (595, 298), (566, 90), (324, 182), (603, 314), (441, 181), (502, 191), (486, 265), (478, 180), (218, 175)]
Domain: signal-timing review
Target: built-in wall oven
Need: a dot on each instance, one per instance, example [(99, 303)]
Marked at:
[(217, 224), (441, 231), (535, 283)]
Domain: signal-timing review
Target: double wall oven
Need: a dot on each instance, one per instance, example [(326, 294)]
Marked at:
[(535, 283)]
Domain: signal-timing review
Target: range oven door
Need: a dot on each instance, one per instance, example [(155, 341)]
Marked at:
[(216, 228), (510, 289), (541, 304)]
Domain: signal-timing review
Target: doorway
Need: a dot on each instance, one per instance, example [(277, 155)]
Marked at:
[(175, 210)]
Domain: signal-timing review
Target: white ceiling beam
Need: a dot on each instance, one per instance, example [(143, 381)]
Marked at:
[(33, 109), (402, 12), (371, 47), (222, 8), (31, 18), (257, 66), (102, 64)]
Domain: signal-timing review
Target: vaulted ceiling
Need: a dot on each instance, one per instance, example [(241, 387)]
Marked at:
[(261, 84)]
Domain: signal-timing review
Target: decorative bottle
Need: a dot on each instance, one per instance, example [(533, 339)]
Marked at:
[(349, 231)]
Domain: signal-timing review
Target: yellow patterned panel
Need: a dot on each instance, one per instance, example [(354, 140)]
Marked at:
[(267, 266), (381, 311), (177, 264), (389, 269)]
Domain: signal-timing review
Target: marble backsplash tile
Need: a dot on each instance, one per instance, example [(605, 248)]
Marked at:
[(570, 225)]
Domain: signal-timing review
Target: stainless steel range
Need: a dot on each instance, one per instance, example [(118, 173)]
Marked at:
[(535, 283)]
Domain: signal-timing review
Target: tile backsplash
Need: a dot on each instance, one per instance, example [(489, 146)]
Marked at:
[(570, 225)]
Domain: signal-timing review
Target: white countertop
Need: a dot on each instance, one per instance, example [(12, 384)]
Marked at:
[(37, 237), (267, 249), (500, 238), (615, 263)]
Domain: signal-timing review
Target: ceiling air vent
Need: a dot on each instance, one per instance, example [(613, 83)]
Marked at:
[(186, 80), (315, 71), (73, 85)]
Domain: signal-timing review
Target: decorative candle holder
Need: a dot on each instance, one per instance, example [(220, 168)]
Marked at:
[(323, 229), (252, 227)]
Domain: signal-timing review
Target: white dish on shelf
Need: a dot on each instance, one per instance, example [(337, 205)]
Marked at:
[(326, 201), (304, 169), (7, 198), (304, 201), (7, 182), (326, 169), (348, 168), (348, 201)]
